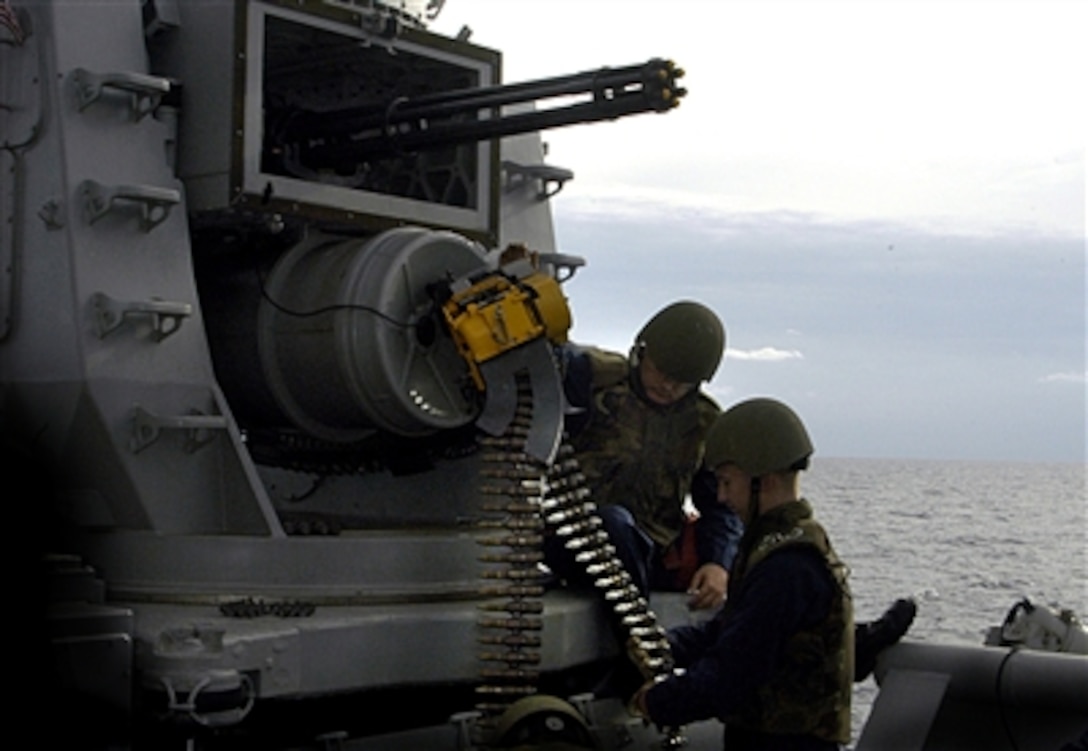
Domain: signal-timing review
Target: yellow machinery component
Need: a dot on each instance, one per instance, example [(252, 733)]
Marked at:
[(505, 324), (499, 313)]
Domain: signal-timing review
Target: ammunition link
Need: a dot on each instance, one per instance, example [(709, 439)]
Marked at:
[(512, 491), (528, 500), (573, 516)]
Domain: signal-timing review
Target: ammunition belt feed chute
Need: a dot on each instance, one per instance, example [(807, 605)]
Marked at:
[(506, 324)]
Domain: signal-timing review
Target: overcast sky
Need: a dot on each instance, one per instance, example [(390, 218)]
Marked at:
[(885, 202)]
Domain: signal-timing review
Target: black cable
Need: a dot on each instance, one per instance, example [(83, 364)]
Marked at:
[(1000, 700), (326, 309)]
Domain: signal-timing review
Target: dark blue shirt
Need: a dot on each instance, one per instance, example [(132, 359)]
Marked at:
[(728, 658)]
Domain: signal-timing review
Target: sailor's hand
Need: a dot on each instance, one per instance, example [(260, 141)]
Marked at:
[(637, 705), (707, 588)]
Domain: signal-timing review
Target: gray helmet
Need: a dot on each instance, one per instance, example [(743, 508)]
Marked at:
[(760, 436), (685, 341)]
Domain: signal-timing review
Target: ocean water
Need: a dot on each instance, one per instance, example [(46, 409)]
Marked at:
[(966, 539)]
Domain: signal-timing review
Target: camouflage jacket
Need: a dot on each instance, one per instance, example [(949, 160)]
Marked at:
[(641, 455)]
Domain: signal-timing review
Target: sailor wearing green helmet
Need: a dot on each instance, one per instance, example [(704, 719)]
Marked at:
[(776, 663), (678, 349), (637, 428)]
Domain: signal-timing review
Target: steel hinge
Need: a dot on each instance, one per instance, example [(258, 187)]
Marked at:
[(166, 317), (155, 203), (148, 426), (146, 92)]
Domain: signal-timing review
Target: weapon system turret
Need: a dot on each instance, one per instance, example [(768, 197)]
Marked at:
[(279, 296)]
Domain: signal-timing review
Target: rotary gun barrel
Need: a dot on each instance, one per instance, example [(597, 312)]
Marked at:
[(439, 120)]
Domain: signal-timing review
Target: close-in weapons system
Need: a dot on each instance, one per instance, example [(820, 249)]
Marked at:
[(282, 416), (279, 298)]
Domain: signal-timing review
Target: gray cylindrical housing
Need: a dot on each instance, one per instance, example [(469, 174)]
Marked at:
[(353, 341)]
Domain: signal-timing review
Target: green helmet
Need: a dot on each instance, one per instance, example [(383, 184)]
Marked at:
[(760, 436), (685, 341)]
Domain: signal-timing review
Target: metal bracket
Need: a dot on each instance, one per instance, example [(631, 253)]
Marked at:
[(552, 179), (147, 426), (166, 317), (465, 722), (185, 705), (562, 265), (383, 23), (155, 203), (147, 91)]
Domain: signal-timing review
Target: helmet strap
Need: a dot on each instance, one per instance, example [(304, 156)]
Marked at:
[(634, 372), (754, 489)]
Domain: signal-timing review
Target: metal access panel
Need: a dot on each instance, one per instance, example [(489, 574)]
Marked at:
[(269, 88)]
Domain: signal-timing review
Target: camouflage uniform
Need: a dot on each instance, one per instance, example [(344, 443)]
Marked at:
[(646, 457), (773, 688)]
